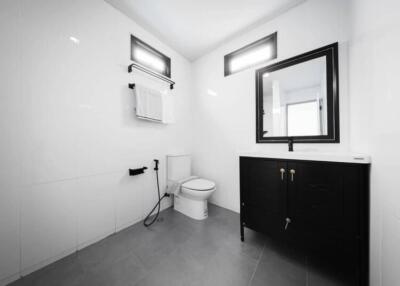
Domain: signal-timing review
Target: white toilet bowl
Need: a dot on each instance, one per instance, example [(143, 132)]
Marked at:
[(192, 198)]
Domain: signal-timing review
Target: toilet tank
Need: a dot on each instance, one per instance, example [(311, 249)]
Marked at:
[(178, 167)]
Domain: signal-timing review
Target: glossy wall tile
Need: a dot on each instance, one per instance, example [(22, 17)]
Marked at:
[(68, 128)]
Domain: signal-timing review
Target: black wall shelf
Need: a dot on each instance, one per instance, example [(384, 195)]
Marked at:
[(134, 172)]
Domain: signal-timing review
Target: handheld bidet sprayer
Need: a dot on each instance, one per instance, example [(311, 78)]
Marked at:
[(147, 222)]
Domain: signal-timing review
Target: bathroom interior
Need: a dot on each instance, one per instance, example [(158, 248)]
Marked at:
[(150, 142)]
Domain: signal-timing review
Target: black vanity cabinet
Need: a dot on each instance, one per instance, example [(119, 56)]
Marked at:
[(257, 202), (320, 208)]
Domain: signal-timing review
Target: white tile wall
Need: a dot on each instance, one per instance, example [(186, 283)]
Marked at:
[(374, 89), (10, 142), (9, 233), (96, 207), (68, 130), (48, 221)]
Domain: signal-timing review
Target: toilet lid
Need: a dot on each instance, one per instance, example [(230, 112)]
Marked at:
[(199, 185)]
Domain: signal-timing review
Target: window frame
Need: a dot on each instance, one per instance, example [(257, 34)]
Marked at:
[(136, 42), (272, 38)]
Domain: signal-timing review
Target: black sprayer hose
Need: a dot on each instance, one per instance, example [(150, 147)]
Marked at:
[(158, 204)]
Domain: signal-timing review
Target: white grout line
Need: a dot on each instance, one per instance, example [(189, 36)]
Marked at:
[(255, 268)]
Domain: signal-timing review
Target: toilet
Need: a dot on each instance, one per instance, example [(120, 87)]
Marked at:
[(191, 200)]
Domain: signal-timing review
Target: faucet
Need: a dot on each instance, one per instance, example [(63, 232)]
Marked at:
[(290, 144)]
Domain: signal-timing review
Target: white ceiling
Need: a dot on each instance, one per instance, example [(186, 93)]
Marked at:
[(195, 27)]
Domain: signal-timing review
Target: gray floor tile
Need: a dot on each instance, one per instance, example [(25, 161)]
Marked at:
[(178, 268), (180, 251), (126, 271), (280, 265), (227, 268), (65, 272)]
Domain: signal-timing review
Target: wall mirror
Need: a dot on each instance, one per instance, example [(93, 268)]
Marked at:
[(298, 99)]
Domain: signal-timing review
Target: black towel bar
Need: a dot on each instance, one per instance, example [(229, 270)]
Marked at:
[(150, 72)]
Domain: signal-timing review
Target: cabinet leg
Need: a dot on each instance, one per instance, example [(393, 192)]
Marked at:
[(241, 233)]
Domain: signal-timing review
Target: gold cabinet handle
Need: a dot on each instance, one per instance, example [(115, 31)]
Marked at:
[(282, 173), (292, 172)]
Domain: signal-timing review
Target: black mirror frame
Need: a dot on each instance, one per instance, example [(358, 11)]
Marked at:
[(332, 72)]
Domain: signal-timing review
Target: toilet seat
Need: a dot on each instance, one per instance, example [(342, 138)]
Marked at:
[(197, 190), (199, 185)]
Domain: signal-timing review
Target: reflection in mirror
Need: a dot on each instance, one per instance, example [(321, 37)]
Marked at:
[(298, 99), (295, 100)]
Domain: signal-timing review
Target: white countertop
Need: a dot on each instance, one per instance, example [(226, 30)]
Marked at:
[(312, 156)]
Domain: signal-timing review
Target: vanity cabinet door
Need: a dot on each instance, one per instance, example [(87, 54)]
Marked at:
[(323, 203), (263, 194)]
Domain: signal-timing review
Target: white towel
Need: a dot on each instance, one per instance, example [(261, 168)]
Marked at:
[(149, 103), (175, 187), (168, 108)]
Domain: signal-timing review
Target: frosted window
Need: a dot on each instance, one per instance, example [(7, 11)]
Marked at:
[(303, 119)]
